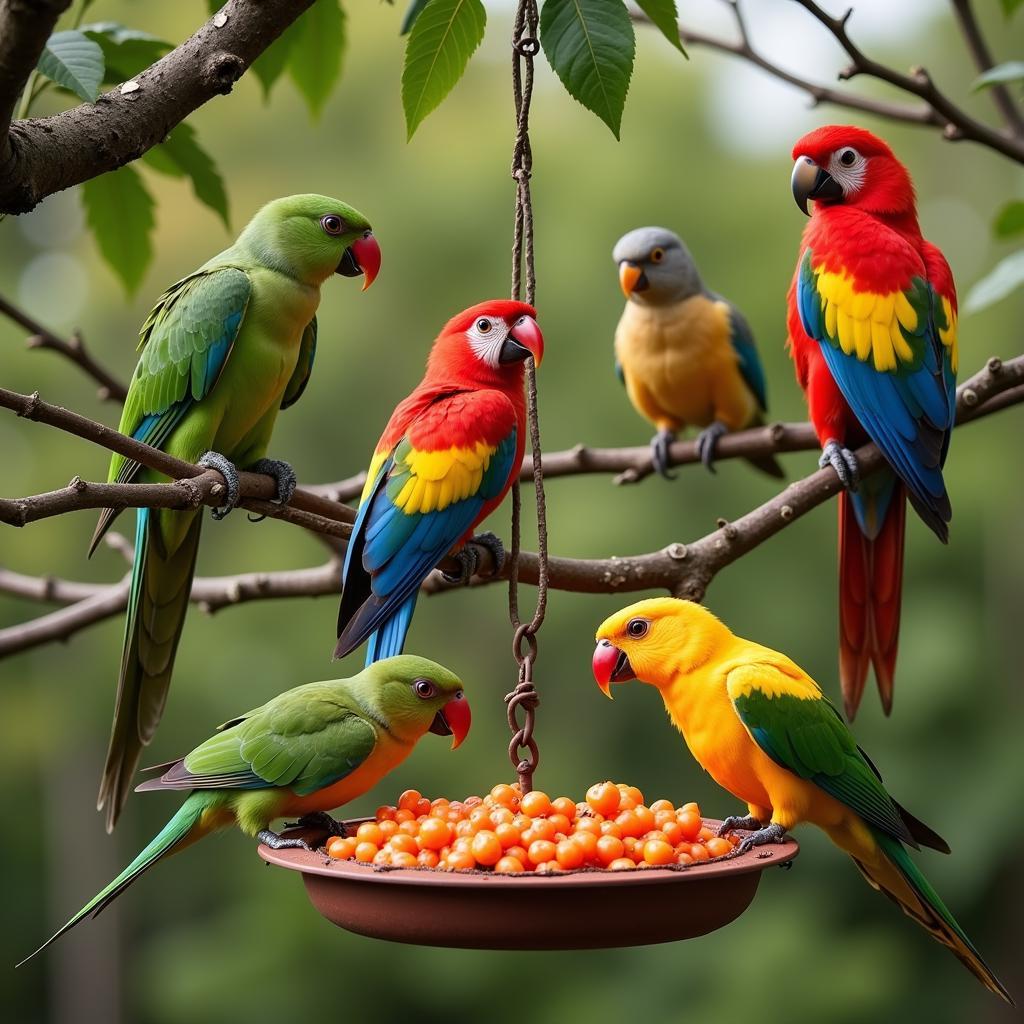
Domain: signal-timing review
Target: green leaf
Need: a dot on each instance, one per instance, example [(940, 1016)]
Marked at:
[(664, 16), (590, 44), (412, 12), (75, 62), (1005, 277), (314, 60), (119, 210), (270, 64), (1011, 71), (1010, 6), (442, 40), (126, 51), (1010, 220), (180, 155)]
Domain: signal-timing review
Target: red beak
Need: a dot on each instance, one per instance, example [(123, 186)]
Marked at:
[(610, 666), (362, 257), (527, 334), (453, 720)]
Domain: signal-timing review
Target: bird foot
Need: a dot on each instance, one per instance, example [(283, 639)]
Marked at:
[(469, 559), (843, 461), (227, 469), (321, 820), (746, 822), (276, 842), (769, 834), (707, 442), (284, 477), (659, 452)]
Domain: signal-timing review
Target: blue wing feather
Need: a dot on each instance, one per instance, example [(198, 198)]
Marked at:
[(907, 412), (391, 552)]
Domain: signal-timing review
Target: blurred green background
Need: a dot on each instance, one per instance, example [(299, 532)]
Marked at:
[(213, 934)]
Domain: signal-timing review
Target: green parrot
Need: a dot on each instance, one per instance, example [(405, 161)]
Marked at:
[(222, 351), (313, 748)]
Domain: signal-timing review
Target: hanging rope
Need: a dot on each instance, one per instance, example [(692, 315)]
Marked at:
[(522, 750)]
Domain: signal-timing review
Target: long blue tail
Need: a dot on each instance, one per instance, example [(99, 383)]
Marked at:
[(390, 638), (166, 841)]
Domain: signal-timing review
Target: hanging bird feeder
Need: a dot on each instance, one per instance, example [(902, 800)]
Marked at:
[(576, 909)]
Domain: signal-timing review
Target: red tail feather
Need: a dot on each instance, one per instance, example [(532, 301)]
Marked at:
[(870, 589)]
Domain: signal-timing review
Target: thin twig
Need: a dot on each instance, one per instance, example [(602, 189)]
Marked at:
[(937, 109), (73, 349), (982, 55), (195, 485)]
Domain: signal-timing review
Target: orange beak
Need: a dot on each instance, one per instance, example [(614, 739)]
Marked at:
[(610, 665), (453, 720), (629, 277)]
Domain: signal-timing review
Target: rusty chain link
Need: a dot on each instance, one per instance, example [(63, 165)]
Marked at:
[(522, 749)]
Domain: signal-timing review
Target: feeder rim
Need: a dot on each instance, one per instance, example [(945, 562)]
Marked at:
[(318, 864)]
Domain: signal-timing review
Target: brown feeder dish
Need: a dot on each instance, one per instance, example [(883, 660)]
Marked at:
[(574, 910)]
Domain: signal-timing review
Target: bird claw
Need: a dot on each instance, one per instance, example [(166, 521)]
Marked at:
[(276, 842), (284, 478), (320, 820), (843, 461), (469, 559), (707, 442), (772, 833), (227, 469), (659, 453), (735, 821)]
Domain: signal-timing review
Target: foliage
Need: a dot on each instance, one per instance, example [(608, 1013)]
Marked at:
[(589, 44), (441, 41)]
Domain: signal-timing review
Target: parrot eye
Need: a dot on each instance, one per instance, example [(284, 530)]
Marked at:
[(483, 325), (657, 255), (332, 224), (637, 628), (848, 157), (424, 688)]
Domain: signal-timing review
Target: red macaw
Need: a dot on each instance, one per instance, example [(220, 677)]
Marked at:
[(873, 332), (445, 461)]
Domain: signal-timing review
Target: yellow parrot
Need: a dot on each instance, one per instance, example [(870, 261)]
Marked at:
[(763, 730), (686, 355)]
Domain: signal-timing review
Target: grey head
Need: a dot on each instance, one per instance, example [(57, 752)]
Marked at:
[(655, 267)]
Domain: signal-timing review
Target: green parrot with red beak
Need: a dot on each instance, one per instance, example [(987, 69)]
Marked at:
[(312, 749), (223, 350)]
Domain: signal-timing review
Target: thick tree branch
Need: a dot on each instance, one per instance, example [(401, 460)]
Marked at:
[(25, 25), (937, 109), (1001, 95), (73, 348), (40, 156), (686, 570)]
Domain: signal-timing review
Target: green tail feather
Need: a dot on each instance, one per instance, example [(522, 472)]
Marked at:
[(157, 604), (939, 922), (172, 834)]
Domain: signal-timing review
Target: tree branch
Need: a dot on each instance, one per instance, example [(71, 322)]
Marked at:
[(92, 603), (40, 156), (25, 25), (685, 570), (937, 109), (958, 124), (74, 349), (1001, 95), (194, 485)]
